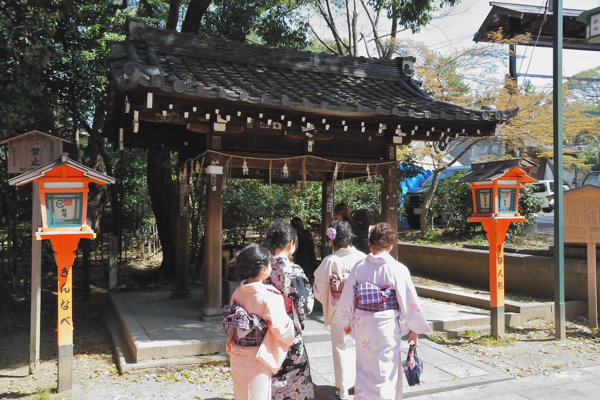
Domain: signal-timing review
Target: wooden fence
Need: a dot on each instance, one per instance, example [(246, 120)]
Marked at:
[(135, 246)]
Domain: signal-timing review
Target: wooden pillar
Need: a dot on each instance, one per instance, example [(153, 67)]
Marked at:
[(36, 282), (592, 288), (496, 233), (389, 202), (64, 247), (213, 241), (182, 241), (326, 208)]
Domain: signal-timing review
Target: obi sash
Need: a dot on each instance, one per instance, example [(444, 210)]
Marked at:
[(336, 286), (248, 329), (373, 298)]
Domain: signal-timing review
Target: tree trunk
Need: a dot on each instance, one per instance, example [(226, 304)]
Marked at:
[(427, 200), (162, 191), (193, 16)]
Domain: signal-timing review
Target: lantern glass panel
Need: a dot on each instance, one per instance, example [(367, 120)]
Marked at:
[(64, 209), (507, 200), (483, 198)]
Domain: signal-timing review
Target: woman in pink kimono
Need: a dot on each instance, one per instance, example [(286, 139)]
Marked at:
[(329, 283), (379, 305), (260, 331), (293, 381)]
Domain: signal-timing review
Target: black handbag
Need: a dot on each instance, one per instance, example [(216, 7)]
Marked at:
[(413, 367)]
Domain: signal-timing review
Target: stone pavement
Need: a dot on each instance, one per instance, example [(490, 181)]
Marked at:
[(580, 383), (152, 330), (443, 370)]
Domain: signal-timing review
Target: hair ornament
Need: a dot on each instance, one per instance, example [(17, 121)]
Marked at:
[(331, 233), (237, 254), (371, 228)]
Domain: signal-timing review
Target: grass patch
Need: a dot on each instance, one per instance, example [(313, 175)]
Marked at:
[(43, 395), (438, 338), (470, 333), (489, 340)]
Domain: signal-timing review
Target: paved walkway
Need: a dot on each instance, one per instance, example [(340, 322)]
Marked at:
[(162, 331), (580, 383)]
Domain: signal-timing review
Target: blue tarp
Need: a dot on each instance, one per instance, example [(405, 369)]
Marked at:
[(411, 184)]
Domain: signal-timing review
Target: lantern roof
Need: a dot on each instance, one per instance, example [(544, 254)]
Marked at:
[(493, 170), (74, 169)]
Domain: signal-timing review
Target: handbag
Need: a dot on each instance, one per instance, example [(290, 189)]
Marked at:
[(413, 367)]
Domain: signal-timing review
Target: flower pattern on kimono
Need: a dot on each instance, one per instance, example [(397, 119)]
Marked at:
[(358, 394), (345, 313), (358, 323), (293, 380), (364, 345), (289, 278), (413, 307)]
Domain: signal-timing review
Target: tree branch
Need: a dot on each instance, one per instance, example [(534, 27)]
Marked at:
[(332, 50), (331, 24), (148, 8), (374, 28)]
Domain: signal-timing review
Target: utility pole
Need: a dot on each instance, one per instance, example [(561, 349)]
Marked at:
[(559, 249)]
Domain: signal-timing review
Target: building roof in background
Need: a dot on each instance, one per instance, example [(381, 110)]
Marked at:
[(519, 19)]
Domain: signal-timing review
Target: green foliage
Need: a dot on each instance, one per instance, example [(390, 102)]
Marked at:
[(360, 194), (590, 154), (455, 199), (529, 207), (411, 14), (250, 205), (269, 22)]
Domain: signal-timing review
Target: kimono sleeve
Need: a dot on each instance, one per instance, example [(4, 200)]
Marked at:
[(279, 337), (346, 304), (322, 281), (410, 307), (301, 292)]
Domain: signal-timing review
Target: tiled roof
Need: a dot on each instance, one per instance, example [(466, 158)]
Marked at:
[(213, 68)]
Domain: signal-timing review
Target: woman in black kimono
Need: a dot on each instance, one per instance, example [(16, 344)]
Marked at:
[(293, 381)]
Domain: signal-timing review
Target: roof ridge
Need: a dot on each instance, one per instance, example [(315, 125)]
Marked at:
[(192, 45)]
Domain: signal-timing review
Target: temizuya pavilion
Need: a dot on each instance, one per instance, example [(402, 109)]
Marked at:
[(250, 111)]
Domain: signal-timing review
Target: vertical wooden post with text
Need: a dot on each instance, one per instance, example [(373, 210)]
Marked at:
[(63, 191), (28, 152), (581, 225), (495, 186)]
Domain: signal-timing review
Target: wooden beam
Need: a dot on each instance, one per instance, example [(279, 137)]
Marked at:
[(389, 202)]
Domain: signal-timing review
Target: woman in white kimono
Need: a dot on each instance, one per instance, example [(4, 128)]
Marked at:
[(328, 286), (379, 305)]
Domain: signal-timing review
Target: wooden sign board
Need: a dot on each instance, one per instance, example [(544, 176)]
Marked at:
[(582, 225), (582, 214), (31, 150)]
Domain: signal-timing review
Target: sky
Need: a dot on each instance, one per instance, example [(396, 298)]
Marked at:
[(457, 30)]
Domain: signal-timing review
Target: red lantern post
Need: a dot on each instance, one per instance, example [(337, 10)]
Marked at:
[(495, 187), (63, 189)]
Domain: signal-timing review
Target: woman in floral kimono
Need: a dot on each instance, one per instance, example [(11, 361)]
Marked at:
[(379, 305), (293, 381), (329, 283)]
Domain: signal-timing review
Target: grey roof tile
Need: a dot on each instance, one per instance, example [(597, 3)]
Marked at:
[(213, 68)]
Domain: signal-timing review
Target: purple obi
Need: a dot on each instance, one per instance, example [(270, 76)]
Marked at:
[(248, 329), (374, 298)]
